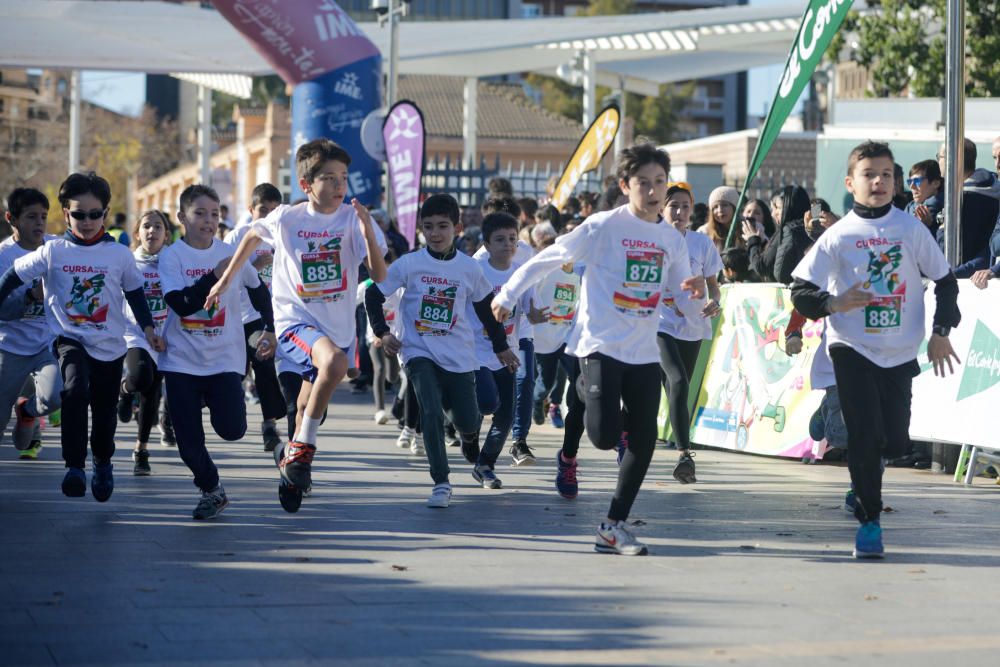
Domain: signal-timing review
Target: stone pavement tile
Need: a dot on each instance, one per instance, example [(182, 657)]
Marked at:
[(125, 651), (24, 654)]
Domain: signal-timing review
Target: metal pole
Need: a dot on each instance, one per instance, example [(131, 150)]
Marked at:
[(470, 125), (955, 130), (393, 83), (204, 134), (589, 89), (622, 95), (74, 121)]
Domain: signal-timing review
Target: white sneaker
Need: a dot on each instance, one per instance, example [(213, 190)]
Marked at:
[(417, 445), (406, 437), (440, 496), (381, 417), (616, 539)]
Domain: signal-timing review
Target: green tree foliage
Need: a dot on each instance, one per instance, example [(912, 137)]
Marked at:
[(265, 89), (903, 44)]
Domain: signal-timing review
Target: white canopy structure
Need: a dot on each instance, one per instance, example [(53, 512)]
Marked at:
[(632, 52)]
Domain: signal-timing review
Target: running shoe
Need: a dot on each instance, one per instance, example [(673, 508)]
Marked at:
[(55, 419), (817, 426), (31, 453), (140, 458), (211, 504), (406, 438), (417, 445), (125, 401), (451, 440), (566, 477), (868, 541), (289, 495), (555, 416), (684, 470), (850, 502), (521, 453), (440, 496), (381, 417), (269, 433), (166, 427), (24, 427), (538, 413), (74, 484), (616, 539), (622, 446), (102, 483), (296, 464), (484, 475), (470, 447)]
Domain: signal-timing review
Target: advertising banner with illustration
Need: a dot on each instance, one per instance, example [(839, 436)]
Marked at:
[(403, 132), (755, 398), (595, 143), (958, 408)]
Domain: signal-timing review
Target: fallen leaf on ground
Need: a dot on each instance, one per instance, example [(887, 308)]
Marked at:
[(400, 568)]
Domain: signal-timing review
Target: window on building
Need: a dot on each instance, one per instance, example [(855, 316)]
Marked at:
[(61, 87)]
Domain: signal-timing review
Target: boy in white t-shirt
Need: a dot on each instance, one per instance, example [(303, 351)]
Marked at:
[(87, 276), (206, 352), (25, 339), (318, 247), (264, 199), (632, 258), (864, 274), (442, 290)]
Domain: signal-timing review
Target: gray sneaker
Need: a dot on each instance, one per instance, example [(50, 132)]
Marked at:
[(616, 539), (485, 476), (211, 504), (440, 496)]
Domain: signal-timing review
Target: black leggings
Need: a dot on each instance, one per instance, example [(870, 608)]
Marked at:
[(610, 383), (573, 430), (143, 378), (87, 383), (875, 402), (677, 360)]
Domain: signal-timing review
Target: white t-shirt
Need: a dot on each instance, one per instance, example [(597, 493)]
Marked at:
[(205, 342), (512, 326), (30, 334), (233, 238), (630, 262), (559, 291), (84, 291), (523, 253), (887, 256), (435, 305), (149, 267), (315, 271), (705, 261)]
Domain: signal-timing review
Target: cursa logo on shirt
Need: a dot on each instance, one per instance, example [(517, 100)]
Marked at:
[(86, 306)]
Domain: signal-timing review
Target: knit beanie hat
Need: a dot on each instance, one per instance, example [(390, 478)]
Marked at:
[(724, 193)]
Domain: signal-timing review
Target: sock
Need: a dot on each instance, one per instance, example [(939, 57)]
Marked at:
[(307, 430), (566, 459)]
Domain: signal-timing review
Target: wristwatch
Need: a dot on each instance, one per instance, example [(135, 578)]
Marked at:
[(941, 331)]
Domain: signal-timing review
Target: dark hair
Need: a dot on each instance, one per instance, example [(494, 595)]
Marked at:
[(440, 205), (674, 189), (121, 219), (929, 168), (82, 184), (572, 207), (794, 203), (969, 156), (867, 150), (529, 206), (550, 214), (494, 222), (21, 198), (699, 214), (500, 186), (766, 212), (496, 203), (192, 192), (311, 157), (609, 198), (589, 198), (736, 260), (265, 192), (633, 158)]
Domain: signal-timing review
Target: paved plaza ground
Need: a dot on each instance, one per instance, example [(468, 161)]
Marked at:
[(751, 566)]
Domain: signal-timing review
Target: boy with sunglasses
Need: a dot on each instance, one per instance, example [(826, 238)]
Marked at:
[(86, 276), (925, 183)]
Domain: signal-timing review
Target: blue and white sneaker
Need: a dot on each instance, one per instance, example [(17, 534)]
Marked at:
[(556, 416), (868, 541), (850, 502), (566, 483), (484, 475)]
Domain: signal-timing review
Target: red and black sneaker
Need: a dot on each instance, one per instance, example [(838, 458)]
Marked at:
[(296, 464)]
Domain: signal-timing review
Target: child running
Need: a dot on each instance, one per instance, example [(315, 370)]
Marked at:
[(142, 376), (86, 275), (864, 274), (679, 337), (206, 357), (631, 258), (442, 288), (318, 247), (25, 338)]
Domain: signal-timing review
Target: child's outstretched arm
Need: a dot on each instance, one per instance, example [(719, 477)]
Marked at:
[(244, 251), (373, 258)]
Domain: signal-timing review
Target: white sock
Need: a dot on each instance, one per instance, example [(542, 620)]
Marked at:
[(307, 430)]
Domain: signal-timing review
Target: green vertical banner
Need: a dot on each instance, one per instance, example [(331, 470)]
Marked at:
[(820, 22)]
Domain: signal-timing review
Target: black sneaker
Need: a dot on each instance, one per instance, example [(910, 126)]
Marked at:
[(521, 453), (211, 504), (102, 482), (141, 467), (269, 431), (470, 447), (289, 495), (167, 438), (538, 413), (125, 406), (684, 470), (74, 484)]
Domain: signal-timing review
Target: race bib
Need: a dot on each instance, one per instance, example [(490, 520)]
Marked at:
[(884, 315), (565, 293), (436, 312), (321, 272), (643, 269)]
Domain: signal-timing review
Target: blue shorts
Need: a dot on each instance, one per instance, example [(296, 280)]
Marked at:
[(295, 350)]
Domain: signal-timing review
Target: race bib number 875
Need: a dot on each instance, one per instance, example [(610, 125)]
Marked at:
[(643, 269)]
